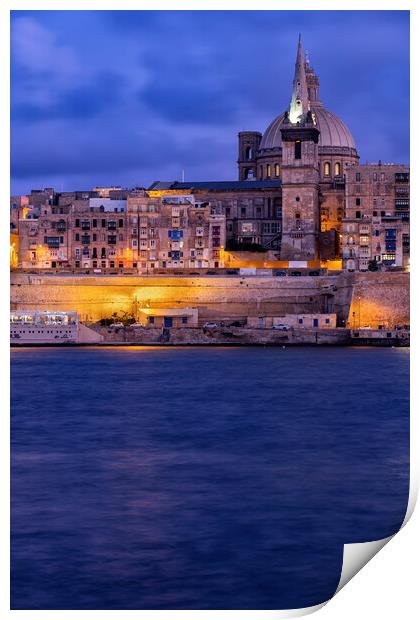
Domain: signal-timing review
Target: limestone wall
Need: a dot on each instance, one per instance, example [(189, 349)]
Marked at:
[(96, 297), (380, 299), (375, 298)]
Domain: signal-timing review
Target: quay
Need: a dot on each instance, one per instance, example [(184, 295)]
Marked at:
[(232, 336)]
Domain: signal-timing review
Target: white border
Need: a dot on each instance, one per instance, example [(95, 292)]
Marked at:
[(388, 585)]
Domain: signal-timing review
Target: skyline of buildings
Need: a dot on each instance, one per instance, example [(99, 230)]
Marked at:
[(302, 195)]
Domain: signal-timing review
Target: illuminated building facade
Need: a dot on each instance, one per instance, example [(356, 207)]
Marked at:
[(376, 229), (140, 233)]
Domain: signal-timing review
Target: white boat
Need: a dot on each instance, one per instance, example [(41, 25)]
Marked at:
[(43, 327)]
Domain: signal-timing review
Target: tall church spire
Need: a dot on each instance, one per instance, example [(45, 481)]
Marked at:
[(299, 103)]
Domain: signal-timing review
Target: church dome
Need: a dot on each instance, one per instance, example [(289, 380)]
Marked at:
[(333, 132)]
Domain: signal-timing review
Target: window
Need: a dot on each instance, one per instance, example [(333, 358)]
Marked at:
[(327, 321), (358, 202), (375, 176), (358, 215), (298, 223), (151, 319), (277, 170), (358, 178), (268, 171), (327, 169), (298, 149), (184, 320), (76, 237), (261, 172), (297, 199), (248, 152), (300, 321), (243, 211), (103, 223), (77, 223), (337, 169), (94, 223)]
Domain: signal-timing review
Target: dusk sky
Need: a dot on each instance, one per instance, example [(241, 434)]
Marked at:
[(131, 97)]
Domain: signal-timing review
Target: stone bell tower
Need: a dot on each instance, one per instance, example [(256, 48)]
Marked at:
[(300, 173)]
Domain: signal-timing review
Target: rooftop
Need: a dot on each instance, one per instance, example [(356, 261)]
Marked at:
[(215, 185)]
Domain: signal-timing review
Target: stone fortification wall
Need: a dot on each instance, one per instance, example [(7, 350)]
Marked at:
[(99, 297), (375, 298), (380, 299)]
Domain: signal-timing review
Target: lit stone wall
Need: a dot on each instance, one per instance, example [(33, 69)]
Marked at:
[(383, 297), (380, 299), (99, 297)]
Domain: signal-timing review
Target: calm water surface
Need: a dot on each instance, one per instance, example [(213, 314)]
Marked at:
[(178, 478)]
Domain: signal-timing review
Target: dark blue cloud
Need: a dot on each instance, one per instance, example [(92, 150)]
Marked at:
[(142, 95), (78, 102)]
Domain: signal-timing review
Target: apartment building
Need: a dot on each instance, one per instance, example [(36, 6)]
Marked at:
[(376, 227), (138, 233)]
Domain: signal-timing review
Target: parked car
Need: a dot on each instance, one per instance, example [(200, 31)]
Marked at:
[(280, 273), (314, 273), (295, 273), (365, 327), (281, 326), (137, 325), (210, 325), (117, 325), (232, 272)]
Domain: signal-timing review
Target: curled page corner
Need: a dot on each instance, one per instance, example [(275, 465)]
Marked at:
[(297, 613), (356, 556), (412, 499)]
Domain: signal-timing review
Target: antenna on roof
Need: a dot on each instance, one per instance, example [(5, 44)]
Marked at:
[(183, 176)]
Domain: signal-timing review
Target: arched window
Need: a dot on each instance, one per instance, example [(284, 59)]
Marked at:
[(277, 170), (337, 169), (248, 152), (327, 169), (261, 172), (268, 171), (298, 222), (249, 174)]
